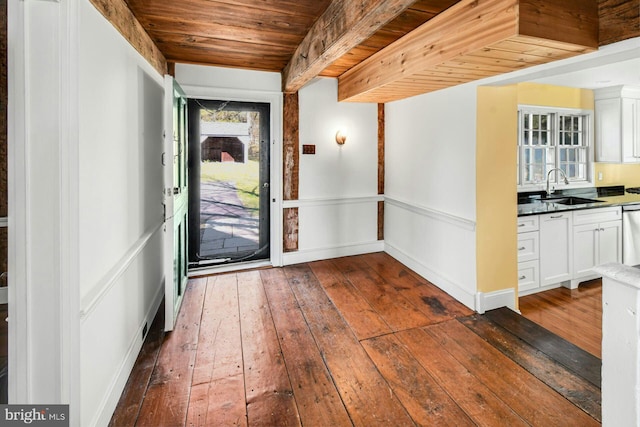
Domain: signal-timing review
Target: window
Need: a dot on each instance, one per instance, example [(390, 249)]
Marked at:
[(554, 138)]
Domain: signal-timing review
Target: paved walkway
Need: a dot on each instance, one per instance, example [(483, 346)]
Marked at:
[(227, 228)]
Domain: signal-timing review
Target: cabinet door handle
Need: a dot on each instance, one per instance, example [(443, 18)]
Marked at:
[(521, 225), (556, 216), (521, 248), (522, 277)]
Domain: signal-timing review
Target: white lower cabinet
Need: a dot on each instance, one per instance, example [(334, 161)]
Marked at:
[(562, 248), (597, 239), (528, 246), (556, 246), (528, 276), (528, 254)]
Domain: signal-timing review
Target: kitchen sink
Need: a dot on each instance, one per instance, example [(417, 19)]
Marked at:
[(571, 200)]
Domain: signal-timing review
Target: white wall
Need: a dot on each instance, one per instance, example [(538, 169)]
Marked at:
[(37, 229), (430, 187), (120, 188), (228, 78), (233, 84), (339, 184)]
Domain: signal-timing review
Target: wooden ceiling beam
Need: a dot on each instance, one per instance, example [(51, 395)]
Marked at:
[(117, 12), (344, 25), (475, 32), (619, 20)]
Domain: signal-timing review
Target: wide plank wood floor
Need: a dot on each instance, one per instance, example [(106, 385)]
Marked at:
[(353, 341), (575, 315)]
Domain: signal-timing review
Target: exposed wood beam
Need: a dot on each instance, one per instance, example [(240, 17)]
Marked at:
[(619, 20), (381, 148), (381, 170), (120, 16), (344, 25), (473, 39), (290, 235), (290, 169), (291, 149)]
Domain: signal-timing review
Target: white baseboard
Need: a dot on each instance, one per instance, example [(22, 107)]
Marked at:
[(492, 300), (119, 382), (450, 287), (309, 255)]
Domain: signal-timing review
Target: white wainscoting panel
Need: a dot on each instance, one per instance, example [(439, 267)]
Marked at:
[(330, 228), (111, 331), (438, 246)]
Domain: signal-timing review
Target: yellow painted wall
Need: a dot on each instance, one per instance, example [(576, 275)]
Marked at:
[(555, 96), (496, 192), (613, 174)]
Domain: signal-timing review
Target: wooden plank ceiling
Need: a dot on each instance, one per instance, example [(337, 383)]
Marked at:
[(258, 35), (280, 35), (470, 41)]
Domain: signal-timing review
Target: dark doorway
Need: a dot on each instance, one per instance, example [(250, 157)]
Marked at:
[(228, 182)]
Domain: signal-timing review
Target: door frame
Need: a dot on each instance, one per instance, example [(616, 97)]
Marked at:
[(275, 100)]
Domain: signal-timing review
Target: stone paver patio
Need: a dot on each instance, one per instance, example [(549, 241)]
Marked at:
[(227, 228)]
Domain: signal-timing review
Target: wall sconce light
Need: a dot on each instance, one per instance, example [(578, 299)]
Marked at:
[(341, 136)]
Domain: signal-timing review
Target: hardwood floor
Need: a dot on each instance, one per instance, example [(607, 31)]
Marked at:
[(352, 341), (575, 315)]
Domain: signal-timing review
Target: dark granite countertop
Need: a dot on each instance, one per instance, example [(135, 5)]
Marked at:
[(531, 204)]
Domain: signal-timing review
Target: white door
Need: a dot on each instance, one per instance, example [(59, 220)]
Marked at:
[(610, 242), (585, 249), (175, 199), (556, 245)]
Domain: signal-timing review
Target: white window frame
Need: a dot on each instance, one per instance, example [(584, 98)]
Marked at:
[(555, 179)]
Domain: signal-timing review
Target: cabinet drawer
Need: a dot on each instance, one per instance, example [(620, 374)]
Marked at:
[(590, 216), (527, 223), (528, 275), (528, 246)]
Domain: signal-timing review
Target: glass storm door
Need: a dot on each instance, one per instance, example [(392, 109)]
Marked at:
[(229, 188)]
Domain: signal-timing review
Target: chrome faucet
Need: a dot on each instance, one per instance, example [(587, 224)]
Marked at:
[(566, 181)]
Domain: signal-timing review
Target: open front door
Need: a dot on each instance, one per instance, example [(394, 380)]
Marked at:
[(175, 199)]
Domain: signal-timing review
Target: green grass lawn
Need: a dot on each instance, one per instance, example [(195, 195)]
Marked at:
[(244, 175)]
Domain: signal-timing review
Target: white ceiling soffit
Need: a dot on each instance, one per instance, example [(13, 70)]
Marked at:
[(611, 65)]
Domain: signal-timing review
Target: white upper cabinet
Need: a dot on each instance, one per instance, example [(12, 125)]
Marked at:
[(618, 124)]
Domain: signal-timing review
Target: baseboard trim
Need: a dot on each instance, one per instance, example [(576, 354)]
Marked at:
[(308, 255), (447, 285), (486, 301), (227, 268), (112, 397)]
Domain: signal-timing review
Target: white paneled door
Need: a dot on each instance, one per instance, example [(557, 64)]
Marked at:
[(176, 203)]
